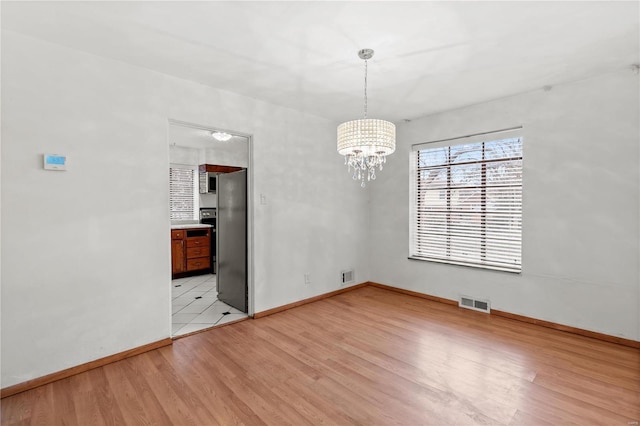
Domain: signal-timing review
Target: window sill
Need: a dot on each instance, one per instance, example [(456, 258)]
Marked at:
[(468, 265)]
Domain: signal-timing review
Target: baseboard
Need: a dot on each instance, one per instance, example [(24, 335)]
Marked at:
[(309, 300), (415, 294), (49, 378), (208, 328), (568, 329), (542, 323)]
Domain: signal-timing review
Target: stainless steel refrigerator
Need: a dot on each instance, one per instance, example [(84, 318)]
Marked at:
[(231, 235)]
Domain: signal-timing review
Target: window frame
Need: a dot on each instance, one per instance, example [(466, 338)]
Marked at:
[(480, 234)]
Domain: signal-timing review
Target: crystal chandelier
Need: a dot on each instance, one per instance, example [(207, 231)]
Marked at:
[(365, 143)]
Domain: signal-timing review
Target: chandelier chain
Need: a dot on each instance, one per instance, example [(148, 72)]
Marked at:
[(365, 88)]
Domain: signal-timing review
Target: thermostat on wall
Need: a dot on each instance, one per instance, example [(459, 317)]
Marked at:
[(55, 162)]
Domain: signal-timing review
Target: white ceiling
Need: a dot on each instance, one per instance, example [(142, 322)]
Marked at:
[(430, 56)]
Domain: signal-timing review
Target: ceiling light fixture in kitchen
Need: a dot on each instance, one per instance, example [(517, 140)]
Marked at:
[(365, 143), (221, 136)]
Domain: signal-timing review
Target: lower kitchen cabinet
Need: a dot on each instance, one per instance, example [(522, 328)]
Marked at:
[(178, 259), (190, 250)]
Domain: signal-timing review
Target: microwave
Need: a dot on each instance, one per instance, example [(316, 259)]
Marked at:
[(207, 182)]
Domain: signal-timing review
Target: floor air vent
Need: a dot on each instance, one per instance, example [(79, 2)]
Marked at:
[(475, 304), (347, 276)]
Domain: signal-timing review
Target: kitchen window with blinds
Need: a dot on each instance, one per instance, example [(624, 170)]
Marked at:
[(182, 193), (466, 201)]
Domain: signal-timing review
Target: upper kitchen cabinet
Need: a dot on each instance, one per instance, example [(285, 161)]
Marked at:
[(214, 168), (209, 173)]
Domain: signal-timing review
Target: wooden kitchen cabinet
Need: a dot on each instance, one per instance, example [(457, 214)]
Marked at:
[(190, 251), (178, 258), (218, 169)]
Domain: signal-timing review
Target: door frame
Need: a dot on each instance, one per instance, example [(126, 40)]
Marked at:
[(250, 203)]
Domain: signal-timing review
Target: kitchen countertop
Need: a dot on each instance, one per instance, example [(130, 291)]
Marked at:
[(191, 225)]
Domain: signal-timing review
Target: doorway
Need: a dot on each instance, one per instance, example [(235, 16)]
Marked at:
[(203, 153)]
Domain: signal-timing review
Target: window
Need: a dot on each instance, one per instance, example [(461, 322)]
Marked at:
[(182, 192), (478, 221)]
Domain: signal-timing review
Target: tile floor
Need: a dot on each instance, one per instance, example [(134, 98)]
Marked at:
[(195, 305)]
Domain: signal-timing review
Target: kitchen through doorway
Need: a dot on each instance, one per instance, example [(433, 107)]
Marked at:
[(211, 224)]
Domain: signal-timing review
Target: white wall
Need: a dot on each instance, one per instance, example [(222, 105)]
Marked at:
[(86, 254), (580, 212), (184, 155)]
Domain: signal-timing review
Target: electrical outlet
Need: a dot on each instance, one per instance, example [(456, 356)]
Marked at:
[(307, 279)]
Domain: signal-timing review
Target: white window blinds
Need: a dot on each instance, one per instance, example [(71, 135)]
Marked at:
[(466, 201), (182, 204)]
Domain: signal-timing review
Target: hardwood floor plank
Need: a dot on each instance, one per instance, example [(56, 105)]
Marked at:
[(597, 394), (85, 399), (303, 372), (369, 356), (64, 407), (523, 419), (186, 409), (20, 410), (214, 372), (408, 369), (542, 401), (122, 395)]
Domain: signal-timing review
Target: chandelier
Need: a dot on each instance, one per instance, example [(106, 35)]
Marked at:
[(365, 143)]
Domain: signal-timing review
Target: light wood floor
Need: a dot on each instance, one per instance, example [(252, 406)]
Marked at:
[(369, 356)]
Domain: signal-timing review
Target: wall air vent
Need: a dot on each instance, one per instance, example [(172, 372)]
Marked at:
[(475, 304), (346, 277)]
